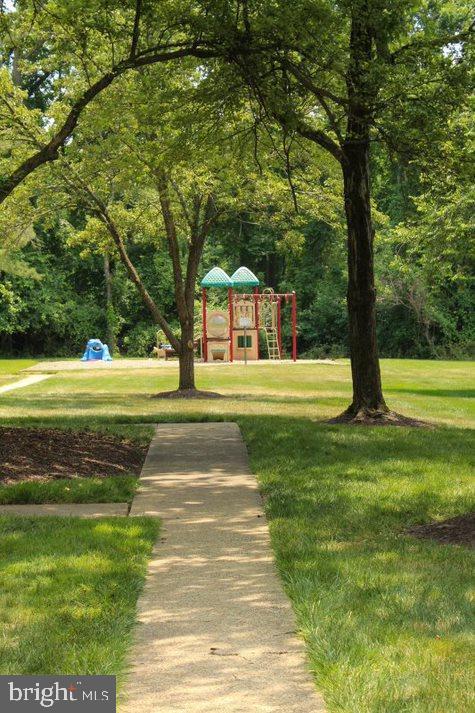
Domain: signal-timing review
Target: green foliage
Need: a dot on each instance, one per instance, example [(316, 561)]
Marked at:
[(141, 339), (279, 197), (16, 232), (425, 259), (52, 315)]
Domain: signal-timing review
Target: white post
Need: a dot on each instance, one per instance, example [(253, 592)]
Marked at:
[(244, 323)]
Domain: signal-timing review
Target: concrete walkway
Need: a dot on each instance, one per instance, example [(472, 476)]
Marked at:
[(27, 381), (67, 510), (216, 631)]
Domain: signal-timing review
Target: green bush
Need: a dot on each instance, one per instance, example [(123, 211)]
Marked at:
[(140, 340)]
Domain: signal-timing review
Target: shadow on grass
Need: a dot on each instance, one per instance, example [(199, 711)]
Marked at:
[(69, 588), (377, 607), (451, 393)]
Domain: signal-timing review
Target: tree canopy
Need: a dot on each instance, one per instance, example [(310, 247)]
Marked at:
[(309, 140)]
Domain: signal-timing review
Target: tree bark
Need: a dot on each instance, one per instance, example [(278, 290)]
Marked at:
[(186, 358), (185, 285), (361, 296), (352, 152), (368, 397), (135, 278), (110, 334)]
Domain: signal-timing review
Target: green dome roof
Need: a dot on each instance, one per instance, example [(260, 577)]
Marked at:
[(243, 277), (216, 278)]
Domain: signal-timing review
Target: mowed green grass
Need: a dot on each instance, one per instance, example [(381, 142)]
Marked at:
[(10, 369), (119, 489), (386, 617), (68, 591), (438, 391)]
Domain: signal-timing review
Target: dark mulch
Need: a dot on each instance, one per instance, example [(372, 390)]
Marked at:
[(456, 531), (390, 418), (187, 394), (47, 453)]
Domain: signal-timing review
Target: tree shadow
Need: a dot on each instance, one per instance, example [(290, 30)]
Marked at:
[(451, 393), (338, 502), (78, 580)]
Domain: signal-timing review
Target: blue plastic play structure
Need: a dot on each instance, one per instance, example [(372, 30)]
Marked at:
[(96, 351)]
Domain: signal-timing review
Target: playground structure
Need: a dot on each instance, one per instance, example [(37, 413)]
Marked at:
[(233, 334), (96, 351)]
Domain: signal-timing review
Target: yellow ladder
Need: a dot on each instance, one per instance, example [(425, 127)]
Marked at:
[(272, 342)]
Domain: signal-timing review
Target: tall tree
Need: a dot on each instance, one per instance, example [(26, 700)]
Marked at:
[(146, 180), (348, 74), (199, 214)]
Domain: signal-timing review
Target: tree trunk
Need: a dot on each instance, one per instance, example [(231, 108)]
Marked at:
[(368, 397), (110, 334), (187, 359)]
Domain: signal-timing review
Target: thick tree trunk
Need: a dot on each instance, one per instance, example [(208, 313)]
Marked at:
[(368, 397), (187, 359), (368, 401)]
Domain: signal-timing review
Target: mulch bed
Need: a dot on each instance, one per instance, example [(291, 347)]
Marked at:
[(391, 418), (187, 394), (47, 453), (456, 531)]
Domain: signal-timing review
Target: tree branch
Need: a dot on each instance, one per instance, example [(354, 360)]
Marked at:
[(198, 237), (421, 43), (321, 95), (173, 247), (309, 84), (100, 210), (136, 30), (316, 135), (136, 279), (182, 201), (49, 152)]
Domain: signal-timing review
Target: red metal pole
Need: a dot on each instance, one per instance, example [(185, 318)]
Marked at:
[(231, 318), (294, 326), (256, 317), (205, 328), (279, 324)]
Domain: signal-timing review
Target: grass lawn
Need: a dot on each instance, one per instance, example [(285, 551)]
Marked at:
[(10, 368), (386, 617), (68, 592), (79, 490)]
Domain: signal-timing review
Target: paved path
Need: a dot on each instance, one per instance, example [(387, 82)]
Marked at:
[(67, 509), (27, 381), (216, 630)]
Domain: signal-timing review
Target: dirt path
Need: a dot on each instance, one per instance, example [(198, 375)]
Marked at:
[(130, 364), (27, 381)]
